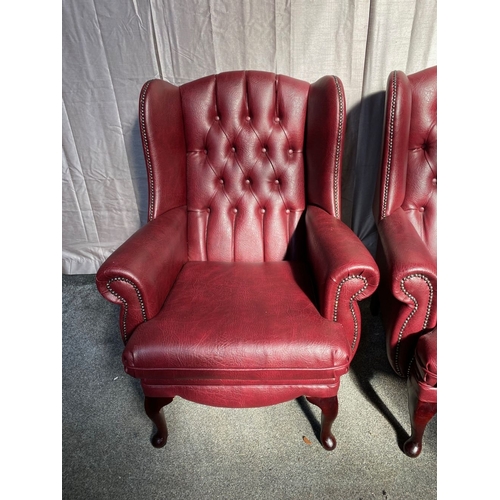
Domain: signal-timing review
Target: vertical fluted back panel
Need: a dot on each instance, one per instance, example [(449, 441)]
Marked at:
[(244, 135)]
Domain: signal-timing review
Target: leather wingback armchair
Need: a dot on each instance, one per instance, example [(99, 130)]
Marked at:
[(241, 290), (405, 212)]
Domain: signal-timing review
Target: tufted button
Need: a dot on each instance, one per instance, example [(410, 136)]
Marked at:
[(235, 210), (262, 210), (247, 181), (205, 151), (233, 149), (217, 118), (287, 211), (264, 150), (247, 118), (277, 120), (421, 209), (221, 181), (290, 151), (276, 181), (434, 181), (208, 210)]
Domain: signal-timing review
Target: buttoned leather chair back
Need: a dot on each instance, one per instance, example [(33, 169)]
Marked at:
[(410, 152), (245, 165), (241, 172)]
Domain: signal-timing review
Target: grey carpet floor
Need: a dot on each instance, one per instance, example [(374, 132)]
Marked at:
[(219, 453)]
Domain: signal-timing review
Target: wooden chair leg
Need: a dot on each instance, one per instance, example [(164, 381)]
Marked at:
[(329, 410), (421, 413), (153, 407)]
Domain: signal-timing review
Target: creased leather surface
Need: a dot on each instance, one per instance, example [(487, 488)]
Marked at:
[(236, 320)]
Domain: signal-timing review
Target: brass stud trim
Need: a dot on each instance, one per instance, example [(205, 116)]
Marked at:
[(125, 304), (351, 300), (390, 146), (413, 312), (142, 119), (337, 150)]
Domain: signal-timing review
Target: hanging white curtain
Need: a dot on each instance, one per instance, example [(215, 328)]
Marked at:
[(111, 47)]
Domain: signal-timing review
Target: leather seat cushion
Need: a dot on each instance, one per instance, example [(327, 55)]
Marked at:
[(426, 358), (239, 321)]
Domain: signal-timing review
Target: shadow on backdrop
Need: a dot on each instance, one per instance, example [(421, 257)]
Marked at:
[(371, 357), (138, 171), (362, 164)]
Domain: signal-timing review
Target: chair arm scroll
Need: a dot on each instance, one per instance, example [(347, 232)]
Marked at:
[(139, 274), (412, 269), (344, 270)]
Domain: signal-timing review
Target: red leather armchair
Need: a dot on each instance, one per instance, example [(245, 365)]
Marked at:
[(405, 211), (242, 288)]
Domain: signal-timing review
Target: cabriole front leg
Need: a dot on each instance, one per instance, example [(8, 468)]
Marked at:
[(421, 412), (329, 410), (153, 407)]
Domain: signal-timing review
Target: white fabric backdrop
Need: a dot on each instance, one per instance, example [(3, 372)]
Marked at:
[(111, 47)]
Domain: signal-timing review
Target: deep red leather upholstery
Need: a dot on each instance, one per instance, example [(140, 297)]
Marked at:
[(405, 211), (245, 166), (242, 288)]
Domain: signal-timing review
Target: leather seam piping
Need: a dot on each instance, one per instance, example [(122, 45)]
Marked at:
[(125, 304), (390, 146), (351, 300), (244, 370), (412, 313)]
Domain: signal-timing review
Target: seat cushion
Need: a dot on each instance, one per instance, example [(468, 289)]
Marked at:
[(426, 358), (239, 321)]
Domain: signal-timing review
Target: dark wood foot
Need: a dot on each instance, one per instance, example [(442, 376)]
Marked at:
[(329, 410), (421, 413), (153, 407)]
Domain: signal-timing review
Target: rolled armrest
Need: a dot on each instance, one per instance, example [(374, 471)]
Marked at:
[(344, 270), (404, 250), (410, 267), (139, 274)]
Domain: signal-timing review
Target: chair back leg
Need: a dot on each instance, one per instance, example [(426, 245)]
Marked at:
[(421, 412), (329, 410)]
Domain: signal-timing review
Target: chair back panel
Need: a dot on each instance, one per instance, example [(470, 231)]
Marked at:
[(421, 176), (244, 134)]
